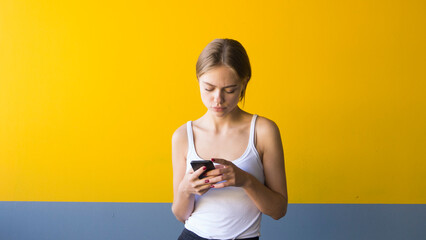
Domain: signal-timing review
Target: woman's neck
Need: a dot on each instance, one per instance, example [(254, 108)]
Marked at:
[(222, 123)]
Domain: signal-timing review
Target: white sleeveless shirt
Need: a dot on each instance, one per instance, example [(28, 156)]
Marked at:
[(227, 213)]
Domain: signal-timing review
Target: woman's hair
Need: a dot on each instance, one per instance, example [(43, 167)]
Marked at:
[(225, 52)]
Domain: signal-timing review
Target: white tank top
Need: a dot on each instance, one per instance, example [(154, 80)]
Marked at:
[(227, 213)]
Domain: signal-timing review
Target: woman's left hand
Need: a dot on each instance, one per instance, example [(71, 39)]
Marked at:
[(227, 172)]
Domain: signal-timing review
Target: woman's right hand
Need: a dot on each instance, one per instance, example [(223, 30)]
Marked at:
[(191, 184)]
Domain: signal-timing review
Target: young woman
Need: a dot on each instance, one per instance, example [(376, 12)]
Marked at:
[(249, 178)]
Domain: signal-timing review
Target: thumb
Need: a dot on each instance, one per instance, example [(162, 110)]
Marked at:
[(221, 161)]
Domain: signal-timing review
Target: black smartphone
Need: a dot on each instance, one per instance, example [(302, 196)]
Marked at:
[(196, 164)]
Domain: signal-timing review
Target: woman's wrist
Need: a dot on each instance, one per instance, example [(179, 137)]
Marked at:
[(248, 183), (184, 191)]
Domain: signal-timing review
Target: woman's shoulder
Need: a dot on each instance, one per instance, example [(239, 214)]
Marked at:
[(179, 143), (268, 137), (180, 134), (265, 126)]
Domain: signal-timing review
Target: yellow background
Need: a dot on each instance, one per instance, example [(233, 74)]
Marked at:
[(90, 94)]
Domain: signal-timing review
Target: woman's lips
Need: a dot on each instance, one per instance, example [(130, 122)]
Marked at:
[(218, 109)]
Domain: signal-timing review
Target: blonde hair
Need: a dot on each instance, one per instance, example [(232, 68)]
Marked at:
[(225, 52)]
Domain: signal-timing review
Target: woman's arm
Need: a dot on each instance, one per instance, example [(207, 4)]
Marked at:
[(185, 185), (271, 198), (183, 204)]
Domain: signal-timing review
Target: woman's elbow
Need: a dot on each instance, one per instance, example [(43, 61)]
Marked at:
[(179, 218), (280, 213), (178, 215)]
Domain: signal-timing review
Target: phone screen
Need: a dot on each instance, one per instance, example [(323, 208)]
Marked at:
[(196, 164)]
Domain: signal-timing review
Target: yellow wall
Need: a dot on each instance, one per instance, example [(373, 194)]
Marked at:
[(90, 94)]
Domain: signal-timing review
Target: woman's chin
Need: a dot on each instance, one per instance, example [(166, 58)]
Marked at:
[(217, 113)]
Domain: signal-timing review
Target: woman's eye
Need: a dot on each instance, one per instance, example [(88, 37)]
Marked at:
[(230, 91), (208, 90)]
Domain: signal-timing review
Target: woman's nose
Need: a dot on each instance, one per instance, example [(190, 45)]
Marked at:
[(218, 97)]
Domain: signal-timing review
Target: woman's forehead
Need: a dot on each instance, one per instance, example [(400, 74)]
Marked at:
[(220, 76)]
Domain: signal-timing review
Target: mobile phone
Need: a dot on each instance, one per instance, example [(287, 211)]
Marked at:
[(196, 164)]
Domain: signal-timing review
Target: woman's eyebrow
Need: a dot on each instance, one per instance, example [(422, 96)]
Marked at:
[(229, 86)]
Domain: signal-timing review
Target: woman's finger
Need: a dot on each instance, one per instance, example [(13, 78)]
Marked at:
[(221, 161), (219, 166), (220, 169), (198, 173), (217, 179), (220, 185), (200, 191), (202, 185)]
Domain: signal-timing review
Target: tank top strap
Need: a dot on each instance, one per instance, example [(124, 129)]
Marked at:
[(252, 131), (190, 134)]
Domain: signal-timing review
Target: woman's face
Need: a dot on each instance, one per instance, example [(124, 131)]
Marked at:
[(220, 90)]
